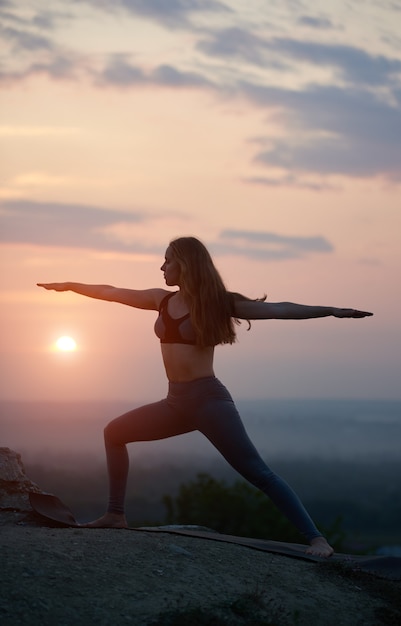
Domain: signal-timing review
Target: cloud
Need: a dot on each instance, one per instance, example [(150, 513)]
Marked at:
[(23, 29), (59, 67), (349, 125), (354, 65), (334, 156), (25, 40), (76, 226), (289, 181), (168, 75), (107, 231), (46, 20), (270, 246), (327, 129), (320, 23), (10, 11), (65, 225), (235, 42), (331, 130), (29, 51), (119, 72), (172, 14)]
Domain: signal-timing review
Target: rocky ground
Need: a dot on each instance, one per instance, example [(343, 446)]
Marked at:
[(66, 576)]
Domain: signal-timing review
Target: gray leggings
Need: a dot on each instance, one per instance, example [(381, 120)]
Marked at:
[(205, 405)]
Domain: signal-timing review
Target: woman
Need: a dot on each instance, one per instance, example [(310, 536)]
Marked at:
[(191, 322)]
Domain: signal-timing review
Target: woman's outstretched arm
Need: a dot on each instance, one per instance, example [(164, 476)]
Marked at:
[(139, 298), (257, 310)]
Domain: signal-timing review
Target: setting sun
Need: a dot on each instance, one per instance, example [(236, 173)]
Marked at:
[(66, 344)]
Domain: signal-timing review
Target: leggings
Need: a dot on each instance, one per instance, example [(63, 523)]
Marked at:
[(204, 405)]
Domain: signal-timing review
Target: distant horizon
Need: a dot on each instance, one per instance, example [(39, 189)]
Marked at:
[(343, 429), (236, 399)]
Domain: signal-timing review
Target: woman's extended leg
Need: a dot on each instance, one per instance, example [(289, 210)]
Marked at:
[(219, 420), (147, 423)]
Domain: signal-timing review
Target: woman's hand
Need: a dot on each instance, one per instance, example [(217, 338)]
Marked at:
[(55, 286), (350, 313)]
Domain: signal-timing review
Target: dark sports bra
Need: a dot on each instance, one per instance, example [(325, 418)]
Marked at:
[(171, 330)]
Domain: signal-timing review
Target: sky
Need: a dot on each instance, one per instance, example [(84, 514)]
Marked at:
[(270, 130)]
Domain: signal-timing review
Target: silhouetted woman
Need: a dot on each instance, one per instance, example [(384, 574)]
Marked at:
[(191, 322)]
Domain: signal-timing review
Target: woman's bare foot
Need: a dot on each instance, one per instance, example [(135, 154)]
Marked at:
[(320, 547), (108, 520)]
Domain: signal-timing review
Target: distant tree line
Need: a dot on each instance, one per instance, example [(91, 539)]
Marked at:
[(362, 498), (235, 509)]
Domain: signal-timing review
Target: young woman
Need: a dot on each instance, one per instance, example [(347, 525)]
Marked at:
[(191, 322)]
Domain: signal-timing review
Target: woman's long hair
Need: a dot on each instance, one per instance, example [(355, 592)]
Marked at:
[(211, 306)]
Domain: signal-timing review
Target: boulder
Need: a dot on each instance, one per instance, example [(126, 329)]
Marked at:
[(15, 486)]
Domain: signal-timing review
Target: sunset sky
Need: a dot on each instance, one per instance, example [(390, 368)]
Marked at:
[(270, 130)]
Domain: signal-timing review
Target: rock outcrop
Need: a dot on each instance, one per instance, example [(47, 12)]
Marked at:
[(15, 486)]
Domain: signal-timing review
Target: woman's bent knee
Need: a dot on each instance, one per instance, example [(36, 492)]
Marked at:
[(110, 433)]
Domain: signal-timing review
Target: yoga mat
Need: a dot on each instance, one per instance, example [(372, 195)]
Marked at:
[(51, 509)]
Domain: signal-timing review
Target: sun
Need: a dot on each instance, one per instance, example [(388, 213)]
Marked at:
[(66, 344)]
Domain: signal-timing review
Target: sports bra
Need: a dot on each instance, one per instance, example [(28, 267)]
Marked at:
[(171, 330)]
